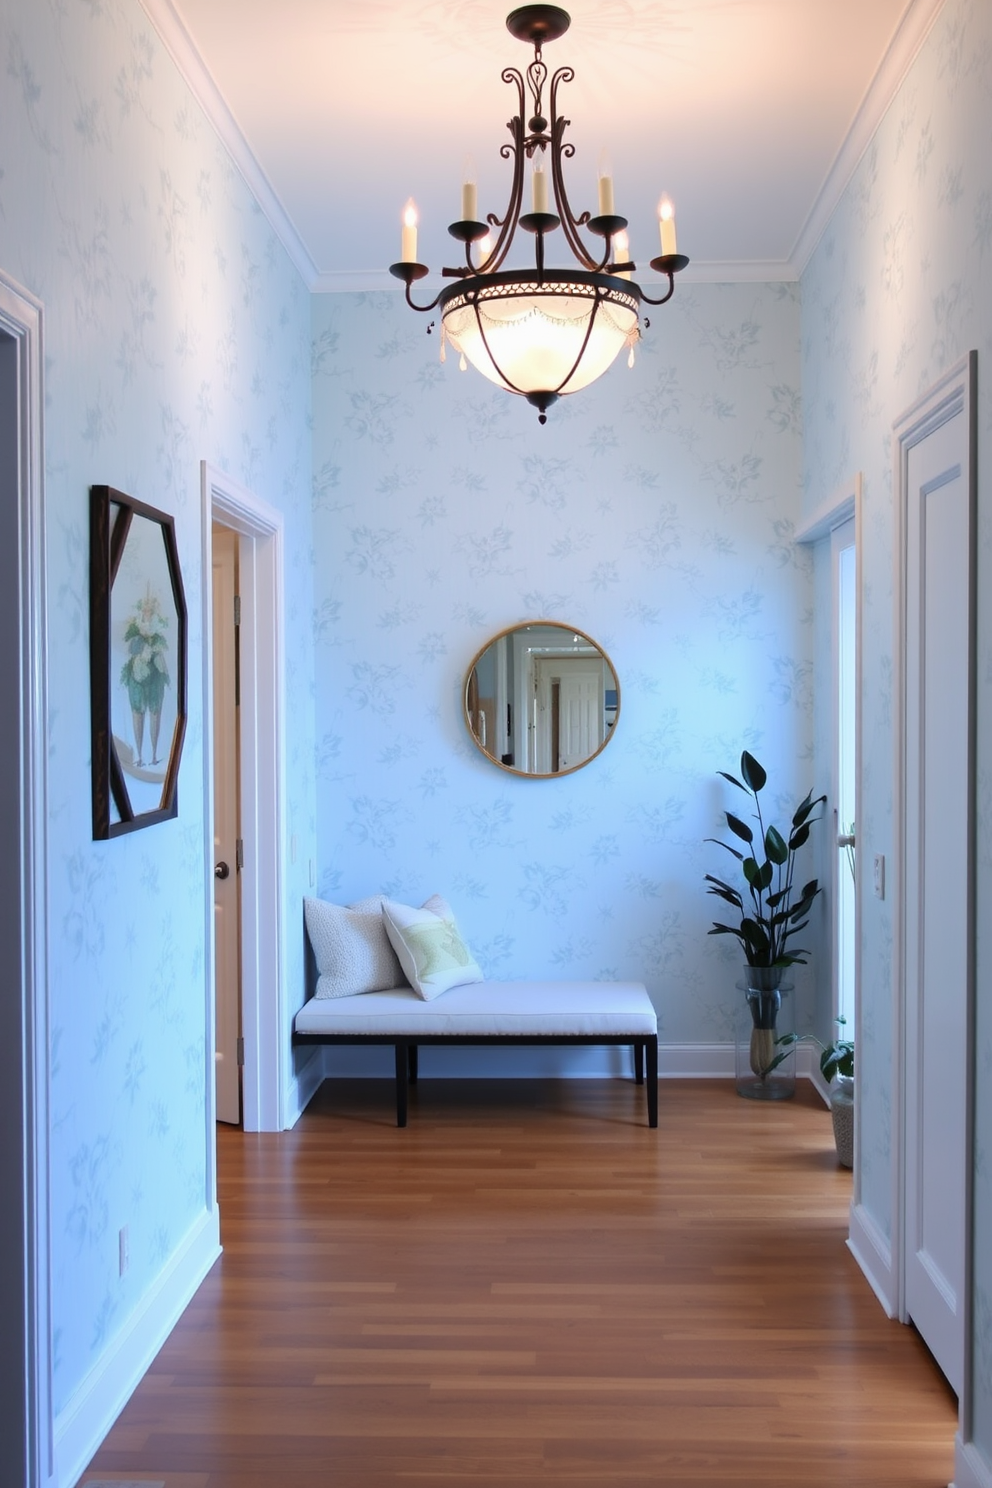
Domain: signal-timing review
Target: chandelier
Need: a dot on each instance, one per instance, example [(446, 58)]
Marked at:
[(540, 332)]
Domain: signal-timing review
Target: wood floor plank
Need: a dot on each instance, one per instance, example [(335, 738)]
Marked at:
[(526, 1287)]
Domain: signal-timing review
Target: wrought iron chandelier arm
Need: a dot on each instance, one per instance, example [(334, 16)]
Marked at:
[(559, 151), (410, 273), (665, 297), (515, 152)]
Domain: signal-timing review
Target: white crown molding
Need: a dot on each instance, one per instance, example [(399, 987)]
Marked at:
[(178, 42), (760, 271), (912, 31)]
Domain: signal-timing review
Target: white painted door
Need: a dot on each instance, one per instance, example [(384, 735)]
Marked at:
[(937, 870), (227, 878), (570, 711), (580, 714)]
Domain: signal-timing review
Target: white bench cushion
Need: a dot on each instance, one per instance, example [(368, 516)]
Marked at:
[(490, 1009)]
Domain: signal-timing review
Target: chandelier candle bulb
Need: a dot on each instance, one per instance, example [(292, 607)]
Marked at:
[(666, 222), (540, 181), (408, 249), (470, 201), (621, 252), (606, 208)]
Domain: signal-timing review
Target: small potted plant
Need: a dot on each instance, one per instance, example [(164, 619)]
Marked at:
[(837, 1064), (772, 911)]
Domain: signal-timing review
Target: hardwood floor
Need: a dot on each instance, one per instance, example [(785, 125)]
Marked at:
[(527, 1286)]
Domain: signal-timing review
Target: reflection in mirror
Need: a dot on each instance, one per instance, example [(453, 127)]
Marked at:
[(541, 699)]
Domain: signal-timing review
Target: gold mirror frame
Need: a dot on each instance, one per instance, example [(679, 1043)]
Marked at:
[(484, 700)]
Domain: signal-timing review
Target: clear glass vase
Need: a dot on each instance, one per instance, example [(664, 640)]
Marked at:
[(766, 1049)]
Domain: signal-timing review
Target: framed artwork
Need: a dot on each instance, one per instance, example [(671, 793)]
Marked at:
[(137, 663)]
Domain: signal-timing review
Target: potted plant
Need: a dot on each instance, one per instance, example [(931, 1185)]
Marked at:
[(837, 1064), (772, 911)]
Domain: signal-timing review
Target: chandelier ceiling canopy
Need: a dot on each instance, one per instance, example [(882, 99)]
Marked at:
[(540, 332)]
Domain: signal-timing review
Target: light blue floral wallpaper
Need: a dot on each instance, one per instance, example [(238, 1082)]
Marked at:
[(654, 511), (897, 291), (176, 330)]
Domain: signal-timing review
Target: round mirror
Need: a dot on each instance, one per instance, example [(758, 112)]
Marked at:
[(541, 699)]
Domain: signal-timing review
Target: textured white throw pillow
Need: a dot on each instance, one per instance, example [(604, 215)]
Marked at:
[(351, 947), (432, 953)]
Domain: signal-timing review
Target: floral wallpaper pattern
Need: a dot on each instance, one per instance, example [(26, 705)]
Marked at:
[(896, 293), (656, 512), (176, 331)]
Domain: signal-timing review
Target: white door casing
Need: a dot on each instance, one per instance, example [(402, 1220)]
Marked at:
[(843, 786), (227, 828), (26, 1416), (934, 880), (836, 523), (260, 557)]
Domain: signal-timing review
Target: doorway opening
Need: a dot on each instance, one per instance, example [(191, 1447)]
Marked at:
[(257, 534), (227, 826), (843, 564)]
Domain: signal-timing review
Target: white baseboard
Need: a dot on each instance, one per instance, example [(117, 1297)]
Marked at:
[(303, 1088), (970, 1468), (696, 1061), (98, 1400), (873, 1253)]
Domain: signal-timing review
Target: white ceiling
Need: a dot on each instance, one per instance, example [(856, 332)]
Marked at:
[(750, 114)]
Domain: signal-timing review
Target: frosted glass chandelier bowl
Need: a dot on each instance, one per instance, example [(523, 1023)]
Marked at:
[(542, 338)]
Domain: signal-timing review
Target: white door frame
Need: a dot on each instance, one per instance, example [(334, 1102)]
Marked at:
[(820, 526), (262, 787), (24, 1021), (953, 394)]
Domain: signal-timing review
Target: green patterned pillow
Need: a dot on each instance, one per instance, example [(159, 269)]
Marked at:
[(431, 952)]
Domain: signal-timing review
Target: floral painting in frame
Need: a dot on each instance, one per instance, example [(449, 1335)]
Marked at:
[(137, 663)]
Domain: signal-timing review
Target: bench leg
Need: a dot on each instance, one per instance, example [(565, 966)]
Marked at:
[(639, 1062), (652, 1079), (401, 1083), (412, 1062)]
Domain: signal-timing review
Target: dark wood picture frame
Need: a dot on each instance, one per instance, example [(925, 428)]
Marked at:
[(116, 559)]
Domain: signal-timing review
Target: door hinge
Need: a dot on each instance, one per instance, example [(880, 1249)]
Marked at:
[(241, 1053), (237, 609), (239, 854)]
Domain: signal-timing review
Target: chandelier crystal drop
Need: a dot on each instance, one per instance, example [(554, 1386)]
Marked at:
[(540, 332)]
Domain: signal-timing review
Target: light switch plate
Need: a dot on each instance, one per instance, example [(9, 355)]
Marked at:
[(878, 879)]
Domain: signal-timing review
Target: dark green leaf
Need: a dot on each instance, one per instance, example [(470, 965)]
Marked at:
[(799, 836), (775, 899), (733, 780), (738, 855), (754, 774), (775, 847), (803, 810), (765, 876), (750, 868), (754, 933), (730, 895), (739, 828)]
